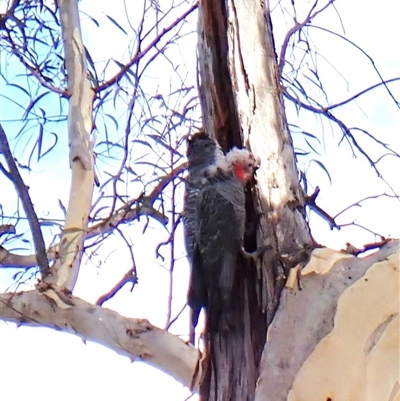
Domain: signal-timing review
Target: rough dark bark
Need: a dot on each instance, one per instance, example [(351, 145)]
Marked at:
[(220, 118), (242, 106)]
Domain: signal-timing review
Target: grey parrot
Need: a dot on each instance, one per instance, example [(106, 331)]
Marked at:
[(214, 221)]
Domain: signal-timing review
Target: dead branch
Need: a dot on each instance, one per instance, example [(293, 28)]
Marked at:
[(358, 203), (128, 277), (297, 27), (15, 177), (13, 260), (347, 134), (310, 202), (350, 99), (352, 250), (140, 55), (133, 209), (7, 229)]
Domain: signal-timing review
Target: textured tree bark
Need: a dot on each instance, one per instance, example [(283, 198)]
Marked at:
[(338, 338), (136, 339), (66, 267), (242, 105)]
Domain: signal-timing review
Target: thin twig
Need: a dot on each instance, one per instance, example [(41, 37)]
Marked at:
[(123, 215), (358, 203), (350, 99), (128, 277), (175, 318), (352, 250), (140, 55), (297, 27)]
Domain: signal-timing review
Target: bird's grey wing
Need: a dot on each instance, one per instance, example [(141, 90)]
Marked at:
[(197, 292), (218, 240)]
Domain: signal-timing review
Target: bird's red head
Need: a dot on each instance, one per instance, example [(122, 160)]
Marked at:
[(242, 163)]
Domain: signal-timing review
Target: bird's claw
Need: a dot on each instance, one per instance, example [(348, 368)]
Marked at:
[(255, 255)]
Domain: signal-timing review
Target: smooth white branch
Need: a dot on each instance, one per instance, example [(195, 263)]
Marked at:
[(136, 339), (80, 125)]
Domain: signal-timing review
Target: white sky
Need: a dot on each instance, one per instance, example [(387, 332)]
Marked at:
[(99, 374)]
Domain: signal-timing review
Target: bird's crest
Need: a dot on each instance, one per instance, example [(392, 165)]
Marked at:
[(241, 162)]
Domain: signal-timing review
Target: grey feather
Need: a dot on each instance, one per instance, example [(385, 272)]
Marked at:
[(214, 220)]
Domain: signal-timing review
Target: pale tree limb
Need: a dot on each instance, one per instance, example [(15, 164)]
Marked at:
[(327, 339), (80, 125), (13, 260), (136, 339)]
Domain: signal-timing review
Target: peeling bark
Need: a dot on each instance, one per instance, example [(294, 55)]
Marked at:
[(337, 337), (330, 339), (242, 105), (253, 66), (217, 100)]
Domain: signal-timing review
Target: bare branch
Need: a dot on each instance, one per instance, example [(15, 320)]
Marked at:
[(353, 223), (7, 229), (174, 223), (352, 250), (397, 103), (36, 72), (8, 14), (358, 203), (140, 55), (12, 260), (142, 206), (347, 134), (298, 27), (128, 277), (334, 106), (23, 194), (173, 320), (310, 201)]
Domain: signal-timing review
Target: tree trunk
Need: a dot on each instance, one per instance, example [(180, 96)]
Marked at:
[(65, 269), (242, 106), (337, 338)]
